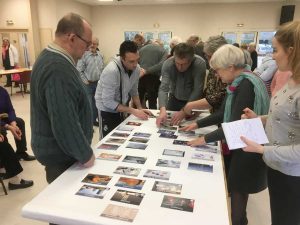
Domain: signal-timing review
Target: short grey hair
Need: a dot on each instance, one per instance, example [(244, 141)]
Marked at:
[(227, 55), (213, 43), (175, 41)]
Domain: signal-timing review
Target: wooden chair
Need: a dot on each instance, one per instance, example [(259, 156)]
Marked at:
[(2, 116), (24, 80)]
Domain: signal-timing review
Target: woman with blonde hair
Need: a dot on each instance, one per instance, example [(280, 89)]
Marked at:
[(247, 172), (282, 155)]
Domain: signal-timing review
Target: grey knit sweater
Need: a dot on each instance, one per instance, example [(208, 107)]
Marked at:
[(61, 115)]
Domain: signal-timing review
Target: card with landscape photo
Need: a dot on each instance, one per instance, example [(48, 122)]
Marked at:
[(168, 127), (111, 157), (162, 131), (182, 204), (124, 128), (97, 179), (119, 134), (140, 134), (108, 147), (190, 133), (206, 148), (128, 171), (172, 152), (115, 140), (128, 197), (132, 123), (137, 146), (200, 167), (180, 142), (167, 187), (139, 140), (168, 163), (120, 213), (158, 174), (166, 135), (202, 156), (126, 182), (135, 159), (92, 191)]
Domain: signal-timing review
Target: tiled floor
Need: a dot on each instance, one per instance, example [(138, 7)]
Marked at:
[(11, 205)]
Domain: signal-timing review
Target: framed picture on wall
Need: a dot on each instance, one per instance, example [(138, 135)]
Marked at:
[(231, 37), (248, 37)]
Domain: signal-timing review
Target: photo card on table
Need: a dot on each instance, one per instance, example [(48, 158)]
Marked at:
[(129, 197), (141, 134), (190, 133), (97, 179), (132, 123), (202, 156), (115, 140), (136, 146), (200, 167), (169, 132), (180, 142), (120, 213), (172, 152), (158, 174), (166, 135), (119, 134), (168, 163), (124, 128), (126, 182), (128, 171), (139, 140), (108, 147), (134, 159), (206, 148), (92, 191), (165, 187), (111, 157), (182, 204)]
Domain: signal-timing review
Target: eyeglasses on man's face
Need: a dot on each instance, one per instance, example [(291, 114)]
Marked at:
[(88, 43)]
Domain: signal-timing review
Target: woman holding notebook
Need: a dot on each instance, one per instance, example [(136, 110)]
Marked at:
[(247, 173), (282, 155)]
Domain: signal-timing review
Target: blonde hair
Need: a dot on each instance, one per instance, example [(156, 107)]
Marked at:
[(288, 35), (227, 55)]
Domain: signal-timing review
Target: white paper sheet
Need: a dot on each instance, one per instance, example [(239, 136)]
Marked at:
[(250, 128)]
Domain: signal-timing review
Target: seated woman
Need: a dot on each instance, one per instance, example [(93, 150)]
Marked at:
[(15, 125), (247, 173), (12, 166)]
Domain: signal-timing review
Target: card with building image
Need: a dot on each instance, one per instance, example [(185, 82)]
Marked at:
[(92, 191), (128, 171), (202, 156), (120, 213), (136, 145), (111, 157), (115, 140), (158, 174), (165, 187), (134, 159), (128, 197), (172, 152), (141, 134), (182, 204), (139, 140), (168, 163)]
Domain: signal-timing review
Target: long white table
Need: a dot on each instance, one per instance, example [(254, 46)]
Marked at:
[(59, 204)]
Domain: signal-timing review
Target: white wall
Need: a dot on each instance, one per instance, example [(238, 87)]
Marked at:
[(110, 22)]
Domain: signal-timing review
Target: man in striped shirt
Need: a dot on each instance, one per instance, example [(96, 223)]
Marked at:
[(90, 67)]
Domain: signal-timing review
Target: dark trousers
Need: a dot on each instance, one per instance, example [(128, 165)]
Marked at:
[(92, 90), (238, 208), (8, 77), (284, 193), (55, 170), (9, 160), (109, 121), (174, 104), (21, 144), (148, 90)]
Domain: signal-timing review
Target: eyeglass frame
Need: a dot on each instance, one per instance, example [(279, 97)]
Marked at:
[(88, 43)]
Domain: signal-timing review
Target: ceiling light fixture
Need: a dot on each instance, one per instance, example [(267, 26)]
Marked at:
[(105, 0)]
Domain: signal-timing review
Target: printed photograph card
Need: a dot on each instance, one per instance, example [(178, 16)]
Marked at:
[(126, 182), (129, 197), (97, 179), (200, 167), (172, 152), (120, 213), (165, 187), (182, 204), (128, 171), (168, 163), (92, 191), (158, 174), (137, 146), (134, 159), (111, 157)]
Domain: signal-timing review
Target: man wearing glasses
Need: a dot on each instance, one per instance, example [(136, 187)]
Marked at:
[(61, 113)]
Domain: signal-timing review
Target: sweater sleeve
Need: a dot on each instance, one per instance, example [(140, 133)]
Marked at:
[(165, 84), (62, 98), (274, 156), (156, 69)]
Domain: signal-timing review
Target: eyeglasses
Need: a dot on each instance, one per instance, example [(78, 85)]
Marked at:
[(88, 43)]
